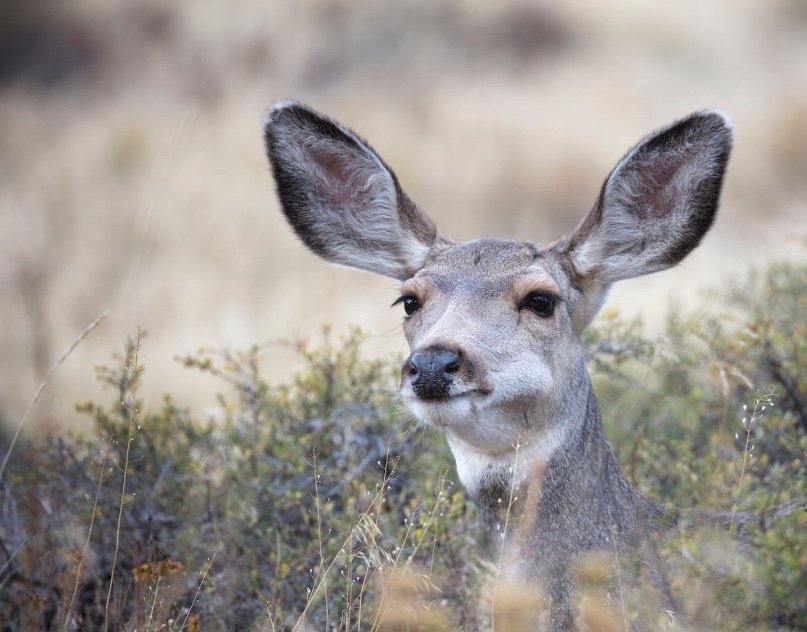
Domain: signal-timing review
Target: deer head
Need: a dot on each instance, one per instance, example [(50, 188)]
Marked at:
[(494, 325)]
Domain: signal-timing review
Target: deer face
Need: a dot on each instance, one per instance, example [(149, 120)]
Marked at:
[(490, 327), (493, 325)]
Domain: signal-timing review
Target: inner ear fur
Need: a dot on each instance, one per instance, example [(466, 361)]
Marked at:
[(657, 203)]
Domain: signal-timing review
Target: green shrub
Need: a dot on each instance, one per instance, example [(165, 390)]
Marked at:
[(713, 415), (320, 503)]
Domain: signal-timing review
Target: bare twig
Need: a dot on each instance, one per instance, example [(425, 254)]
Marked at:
[(44, 383)]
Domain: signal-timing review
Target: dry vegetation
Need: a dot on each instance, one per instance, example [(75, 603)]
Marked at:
[(317, 505), (132, 177)]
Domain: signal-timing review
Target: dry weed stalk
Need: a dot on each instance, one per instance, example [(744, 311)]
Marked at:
[(317, 483), (761, 404), (205, 573), (132, 414), (319, 581), (419, 537), (85, 551), (87, 331), (404, 595)]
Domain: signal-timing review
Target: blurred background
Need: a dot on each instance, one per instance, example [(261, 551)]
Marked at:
[(133, 177)]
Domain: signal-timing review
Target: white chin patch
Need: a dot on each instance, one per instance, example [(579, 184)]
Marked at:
[(445, 413)]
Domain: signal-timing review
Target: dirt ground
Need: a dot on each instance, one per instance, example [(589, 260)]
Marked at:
[(133, 177)]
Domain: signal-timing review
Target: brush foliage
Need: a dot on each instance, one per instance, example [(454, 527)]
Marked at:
[(319, 504)]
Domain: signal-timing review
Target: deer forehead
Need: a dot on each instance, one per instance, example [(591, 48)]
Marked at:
[(489, 269)]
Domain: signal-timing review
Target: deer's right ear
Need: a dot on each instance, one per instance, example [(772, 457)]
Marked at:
[(340, 197)]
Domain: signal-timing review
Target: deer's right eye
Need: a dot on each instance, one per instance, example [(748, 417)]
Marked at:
[(541, 303), (411, 304)]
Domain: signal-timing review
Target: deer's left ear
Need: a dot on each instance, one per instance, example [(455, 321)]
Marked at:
[(657, 203)]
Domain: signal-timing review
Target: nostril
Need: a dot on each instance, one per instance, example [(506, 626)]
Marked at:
[(417, 362), (449, 361)]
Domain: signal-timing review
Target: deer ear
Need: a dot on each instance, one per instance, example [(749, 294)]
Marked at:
[(657, 203), (340, 198)]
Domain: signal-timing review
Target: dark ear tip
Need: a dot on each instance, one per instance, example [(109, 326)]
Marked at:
[(717, 122), (280, 110), (718, 115)]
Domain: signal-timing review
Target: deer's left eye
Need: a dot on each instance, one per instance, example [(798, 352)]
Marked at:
[(540, 303), (411, 304)]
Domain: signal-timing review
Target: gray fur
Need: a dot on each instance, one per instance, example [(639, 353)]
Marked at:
[(518, 409)]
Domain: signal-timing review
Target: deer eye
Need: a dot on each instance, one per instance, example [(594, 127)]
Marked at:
[(411, 304), (540, 303)]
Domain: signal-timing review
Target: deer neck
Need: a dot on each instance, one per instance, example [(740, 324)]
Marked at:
[(564, 479)]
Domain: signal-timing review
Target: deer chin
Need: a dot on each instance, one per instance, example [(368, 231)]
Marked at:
[(471, 418), (448, 412)]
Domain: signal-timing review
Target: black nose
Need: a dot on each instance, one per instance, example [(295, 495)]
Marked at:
[(430, 372), (438, 360)]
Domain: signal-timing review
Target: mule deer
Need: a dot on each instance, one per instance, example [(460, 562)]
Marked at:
[(494, 326)]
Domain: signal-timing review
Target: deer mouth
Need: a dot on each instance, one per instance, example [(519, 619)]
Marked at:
[(448, 410), (442, 397)]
